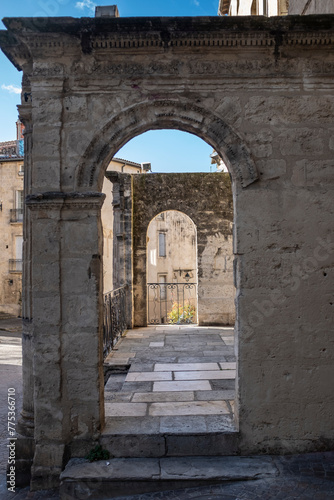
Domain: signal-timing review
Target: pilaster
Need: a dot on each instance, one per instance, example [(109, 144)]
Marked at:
[(66, 272)]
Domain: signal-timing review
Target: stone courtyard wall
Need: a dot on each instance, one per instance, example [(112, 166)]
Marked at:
[(207, 199), (261, 93)]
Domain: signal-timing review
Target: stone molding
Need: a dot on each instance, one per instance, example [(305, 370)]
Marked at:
[(40, 38), (59, 200)]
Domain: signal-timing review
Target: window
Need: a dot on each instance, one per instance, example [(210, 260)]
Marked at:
[(162, 278), (16, 214), (19, 199), (162, 244), (18, 247), (15, 265)]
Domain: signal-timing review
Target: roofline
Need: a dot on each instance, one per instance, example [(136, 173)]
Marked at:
[(19, 158), (128, 162)]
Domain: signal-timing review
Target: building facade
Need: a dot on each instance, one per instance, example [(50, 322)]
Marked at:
[(172, 259), (306, 7), (110, 232), (274, 7), (11, 224), (253, 7)]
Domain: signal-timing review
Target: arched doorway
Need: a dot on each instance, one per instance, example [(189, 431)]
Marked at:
[(172, 269)]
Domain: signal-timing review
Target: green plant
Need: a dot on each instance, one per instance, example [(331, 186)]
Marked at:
[(97, 453), (181, 314)]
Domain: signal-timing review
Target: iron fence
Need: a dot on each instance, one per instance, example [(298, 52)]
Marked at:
[(171, 303), (114, 318)]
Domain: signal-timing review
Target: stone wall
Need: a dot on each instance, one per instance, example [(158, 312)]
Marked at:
[(212, 216), (260, 91), (307, 7)]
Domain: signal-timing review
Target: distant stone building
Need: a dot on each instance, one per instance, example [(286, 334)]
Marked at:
[(274, 7), (253, 7), (171, 258), (306, 7), (11, 223), (107, 216)]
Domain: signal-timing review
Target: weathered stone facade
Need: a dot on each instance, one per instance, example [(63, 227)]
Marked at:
[(213, 218), (253, 7), (260, 92), (11, 231), (171, 257), (110, 233)]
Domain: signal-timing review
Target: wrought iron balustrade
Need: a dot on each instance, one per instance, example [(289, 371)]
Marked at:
[(114, 318), (16, 215), (15, 265), (171, 303)]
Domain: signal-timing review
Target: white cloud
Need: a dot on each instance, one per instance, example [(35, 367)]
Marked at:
[(13, 89), (86, 4), (196, 2)]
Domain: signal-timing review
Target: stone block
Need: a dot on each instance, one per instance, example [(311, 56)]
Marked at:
[(197, 385), (188, 408), (202, 445), (301, 142), (313, 173), (276, 110), (140, 446), (138, 425), (125, 409)]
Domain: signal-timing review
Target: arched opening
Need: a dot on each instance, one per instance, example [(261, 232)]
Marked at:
[(172, 269), (158, 115), (194, 213), (113, 134)]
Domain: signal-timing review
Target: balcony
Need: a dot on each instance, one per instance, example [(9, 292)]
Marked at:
[(16, 215), (15, 265)]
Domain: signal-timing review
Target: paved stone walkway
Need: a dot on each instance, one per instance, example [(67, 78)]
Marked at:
[(174, 371), (302, 477)]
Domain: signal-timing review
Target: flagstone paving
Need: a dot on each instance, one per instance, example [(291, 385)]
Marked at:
[(172, 370), (301, 477)]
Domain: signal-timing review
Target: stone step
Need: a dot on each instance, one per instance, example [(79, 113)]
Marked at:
[(146, 437), (118, 477)]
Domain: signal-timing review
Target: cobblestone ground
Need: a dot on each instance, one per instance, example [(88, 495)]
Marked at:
[(302, 477)]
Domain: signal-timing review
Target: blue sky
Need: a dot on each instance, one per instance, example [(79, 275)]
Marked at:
[(189, 152)]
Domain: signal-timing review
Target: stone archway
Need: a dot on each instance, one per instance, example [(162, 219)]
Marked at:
[(211, 211), (165, 114), (260, 91)]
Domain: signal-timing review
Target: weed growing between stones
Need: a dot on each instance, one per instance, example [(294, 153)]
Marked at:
[(97, 453)]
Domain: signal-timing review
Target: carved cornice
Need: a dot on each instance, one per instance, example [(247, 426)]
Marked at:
[(71, 201), (47, 38)]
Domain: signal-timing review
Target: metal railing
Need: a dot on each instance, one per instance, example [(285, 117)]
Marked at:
[(15, 265), (16, 215), (171, 303), (114, 318)]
